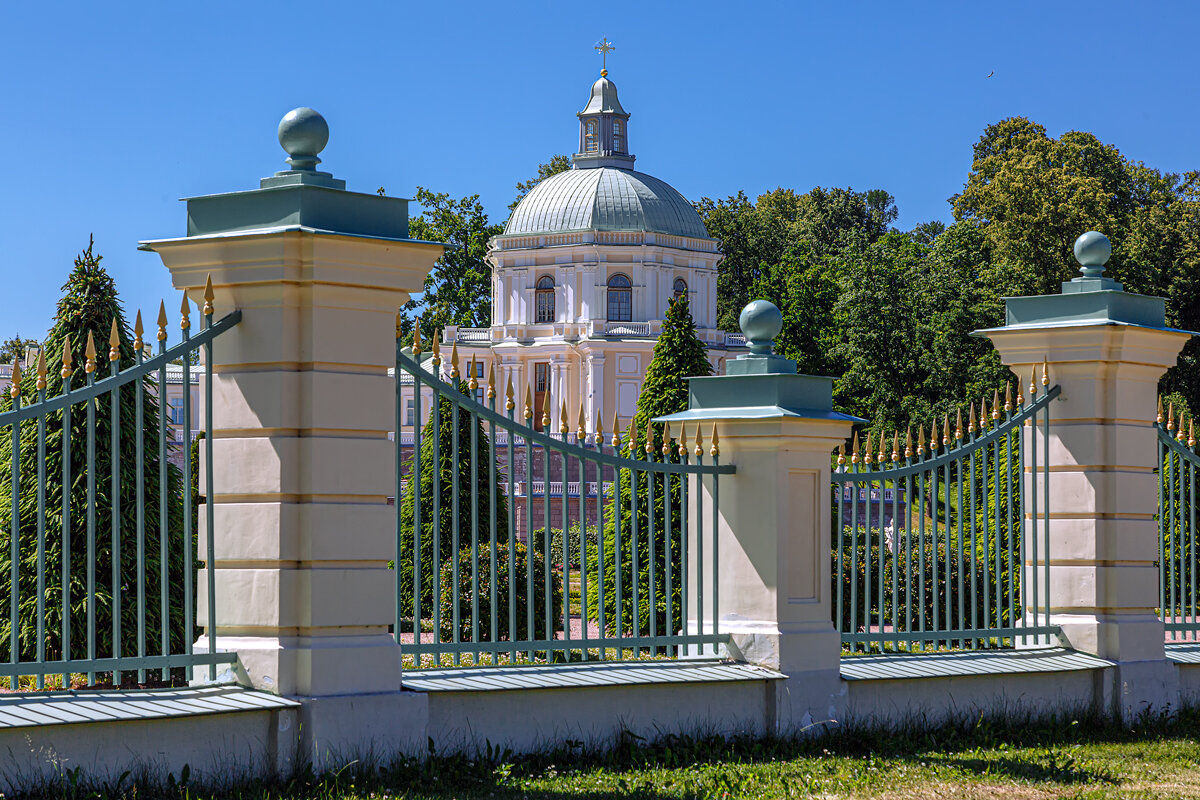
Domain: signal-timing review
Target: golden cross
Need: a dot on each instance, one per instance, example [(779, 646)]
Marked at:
[(604, 48)]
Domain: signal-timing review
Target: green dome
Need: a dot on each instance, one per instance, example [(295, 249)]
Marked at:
[(604, 199)]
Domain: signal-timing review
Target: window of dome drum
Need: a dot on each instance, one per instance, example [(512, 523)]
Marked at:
[(591, 140), (618, 136), (544, 300), (680, 288), (620, 299)]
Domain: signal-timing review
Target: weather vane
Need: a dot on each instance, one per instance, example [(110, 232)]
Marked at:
[(604, 47)]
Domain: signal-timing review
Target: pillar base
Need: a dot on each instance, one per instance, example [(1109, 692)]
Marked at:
[(792, 649), (296, 665)]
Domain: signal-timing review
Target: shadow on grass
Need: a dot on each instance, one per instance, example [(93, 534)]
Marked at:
[(1060, 768)]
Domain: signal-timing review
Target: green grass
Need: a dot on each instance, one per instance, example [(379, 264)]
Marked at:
[(1017, 758)]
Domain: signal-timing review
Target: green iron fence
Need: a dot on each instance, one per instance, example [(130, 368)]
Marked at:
[(67, 619), (948, 549), (476, 584), (1179, 602)]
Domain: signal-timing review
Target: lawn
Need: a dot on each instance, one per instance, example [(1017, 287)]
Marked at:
[(1065, 758)]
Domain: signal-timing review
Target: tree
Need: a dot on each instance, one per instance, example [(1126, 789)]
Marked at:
[(678, 355), (557, 164), (458, 290), (471, 474), (13, 349), (90, 304)]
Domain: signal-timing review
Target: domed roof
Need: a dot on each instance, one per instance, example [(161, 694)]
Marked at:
[(604, 199)]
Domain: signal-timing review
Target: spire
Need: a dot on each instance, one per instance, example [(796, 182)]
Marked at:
[(603, 124)]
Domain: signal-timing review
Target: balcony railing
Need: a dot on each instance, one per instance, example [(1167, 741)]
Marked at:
[(627, 329), (735, 340), (476, 335)]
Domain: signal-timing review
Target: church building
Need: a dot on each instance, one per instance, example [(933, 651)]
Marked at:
[(582, 275)]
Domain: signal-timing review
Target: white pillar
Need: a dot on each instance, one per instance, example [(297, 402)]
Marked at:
[(596, 410)]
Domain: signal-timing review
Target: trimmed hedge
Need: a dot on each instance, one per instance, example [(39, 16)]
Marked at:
[(520, 593)]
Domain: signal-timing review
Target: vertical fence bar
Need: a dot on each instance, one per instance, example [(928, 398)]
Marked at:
[(139, 396), (473, 476), (41, 521), (716, 542), (530, 597), (14, 536), (210, 545), (565, 521), (684, 480), (398, 503), (1162, 527), (921, 546), (66, 512), (547, 576), (435, 409), (114, 366), (91, 514), (493, 543), (652, 583), (189, 535), (854, 545), (414, 483), (455, 539), (164, 530), (581, 441), (510, 408)]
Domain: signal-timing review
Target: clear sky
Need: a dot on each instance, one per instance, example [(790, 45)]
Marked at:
[(111, 112)]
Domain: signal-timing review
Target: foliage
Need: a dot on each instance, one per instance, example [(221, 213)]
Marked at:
[(13, 349), (558, 163), (474, 482), (512, 592), (458, 290), (678, 355), (574, 541), (89, 304)]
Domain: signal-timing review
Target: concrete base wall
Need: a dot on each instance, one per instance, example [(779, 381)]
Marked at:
[(216, 748)]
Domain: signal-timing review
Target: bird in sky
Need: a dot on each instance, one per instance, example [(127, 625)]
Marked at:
[(990, 74)]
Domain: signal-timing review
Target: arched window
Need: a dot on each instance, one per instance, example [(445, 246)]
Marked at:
[(544, 300), (620, 299), (591, 136), (680, 288), (618, 136)]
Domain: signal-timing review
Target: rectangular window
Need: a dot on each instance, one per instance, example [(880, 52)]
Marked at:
[(177, 412), (479, 395), (409, 413)]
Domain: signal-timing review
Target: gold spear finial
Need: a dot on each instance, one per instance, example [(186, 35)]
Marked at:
[(1020, 396), (114, 342), (1033, 383), (946, 431), (920, 440), (867, 448), (185, 309), (1045, 373), (908, 451), (649, 437), (416, 337), (491, 388), (41, 370), (454, 360), (996, 406), (1171, 416), (971, 421), (14, 391), (437, 353), (1159, 418), (599, 430), (138, 330), (699, 451), (528, 403), (472, 382), (546, 413), (666, 448), (89, 353), (683, 451), (895, 446), (509, 402), (1191, 432), (716, 446), (882, 449), (983, 415), (1179, 435), (208, 296), (841, 459), (854, 449), (616, 437), (581, 425), (66, 359), (1008, 396), (632, 436), (958, 426), (563, 427), (162, 321)]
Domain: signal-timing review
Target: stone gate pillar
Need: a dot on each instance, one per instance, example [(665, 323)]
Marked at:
[(1106, 349), (773, 527), (302, 408)]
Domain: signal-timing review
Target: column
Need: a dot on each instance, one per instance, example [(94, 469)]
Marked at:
[(302, 409), (596, 410), (773, 526), (1106, 350)]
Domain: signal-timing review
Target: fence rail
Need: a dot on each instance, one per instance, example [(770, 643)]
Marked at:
[(930, 546), (101, 577), (631, 584)]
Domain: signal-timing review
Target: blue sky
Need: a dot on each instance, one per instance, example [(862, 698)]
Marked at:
[(111, 113)]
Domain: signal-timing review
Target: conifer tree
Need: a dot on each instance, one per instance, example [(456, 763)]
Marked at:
[(90, 303), (678, 355)]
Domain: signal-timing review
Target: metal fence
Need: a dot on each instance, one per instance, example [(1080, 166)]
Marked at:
[(100, 573), (1179, 602), (620, 579), (931, 534)]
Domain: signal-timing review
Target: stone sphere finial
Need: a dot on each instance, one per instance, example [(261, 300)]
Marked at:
[(761, 322), (1092, 251), (303, 133)]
